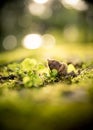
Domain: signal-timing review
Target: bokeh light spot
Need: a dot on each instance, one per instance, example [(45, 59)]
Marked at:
[(48, 40), (36, 9), (71, 2), (40, 10), (79, 5), (32, 41), (41, 1), (71, 33), (10, 42)]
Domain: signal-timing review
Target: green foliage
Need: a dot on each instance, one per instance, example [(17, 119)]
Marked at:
[(71, 68), (31, 73), (28, 64), (85, 75), (32, 79), (53, 100), (53, 73)]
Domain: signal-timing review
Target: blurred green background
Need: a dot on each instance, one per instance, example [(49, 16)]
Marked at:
[(29, 25)]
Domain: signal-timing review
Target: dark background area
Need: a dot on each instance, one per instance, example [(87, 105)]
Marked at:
[(16, 20)]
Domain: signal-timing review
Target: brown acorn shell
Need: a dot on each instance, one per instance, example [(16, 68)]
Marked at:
[(60, 67)]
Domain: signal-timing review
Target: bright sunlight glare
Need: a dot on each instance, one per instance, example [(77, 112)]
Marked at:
[(41, 1), (32, 41)]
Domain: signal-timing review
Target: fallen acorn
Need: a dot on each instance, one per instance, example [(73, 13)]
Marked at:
[(60, 67)]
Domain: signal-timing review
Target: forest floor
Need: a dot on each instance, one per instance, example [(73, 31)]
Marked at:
[(34, 96)]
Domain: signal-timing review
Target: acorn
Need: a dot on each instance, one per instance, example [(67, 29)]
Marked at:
[(60, 67)]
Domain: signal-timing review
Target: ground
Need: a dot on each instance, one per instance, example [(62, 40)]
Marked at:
[(34, 97)]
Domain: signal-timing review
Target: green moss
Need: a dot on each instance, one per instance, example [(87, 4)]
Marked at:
[(33, 97)]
